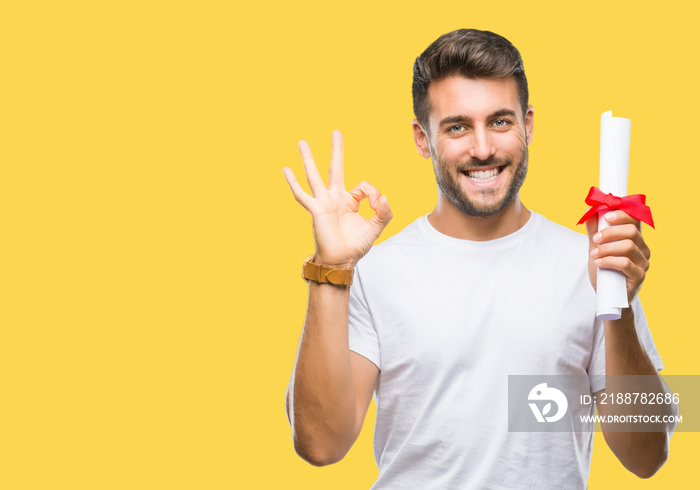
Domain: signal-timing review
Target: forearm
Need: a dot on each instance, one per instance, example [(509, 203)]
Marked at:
[(642, 453), (624, 354), (320, 398)]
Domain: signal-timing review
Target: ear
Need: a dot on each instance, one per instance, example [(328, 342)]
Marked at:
[(421, 139), (529, 122)]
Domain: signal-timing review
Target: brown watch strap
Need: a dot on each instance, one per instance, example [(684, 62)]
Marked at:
[(325, 275)]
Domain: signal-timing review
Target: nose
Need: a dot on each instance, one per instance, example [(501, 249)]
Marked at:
[(482, 146)]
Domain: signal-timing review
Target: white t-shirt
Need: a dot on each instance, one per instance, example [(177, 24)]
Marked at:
[(446, 321)]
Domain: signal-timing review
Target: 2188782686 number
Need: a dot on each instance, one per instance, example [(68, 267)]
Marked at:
[(638, 398)]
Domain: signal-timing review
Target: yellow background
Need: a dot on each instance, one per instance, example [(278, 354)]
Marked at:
[(151, 302)]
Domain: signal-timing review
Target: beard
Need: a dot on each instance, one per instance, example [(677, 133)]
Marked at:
[(453, 192)]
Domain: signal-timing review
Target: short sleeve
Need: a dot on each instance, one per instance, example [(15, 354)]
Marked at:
[(596, 365), (644, 334), (362, 334)]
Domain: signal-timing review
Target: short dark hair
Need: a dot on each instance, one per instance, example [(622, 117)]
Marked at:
[(472, 54)]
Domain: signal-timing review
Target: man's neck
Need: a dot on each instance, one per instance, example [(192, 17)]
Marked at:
[(450, 221)]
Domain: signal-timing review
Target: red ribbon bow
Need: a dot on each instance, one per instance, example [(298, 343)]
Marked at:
[(633, 205)]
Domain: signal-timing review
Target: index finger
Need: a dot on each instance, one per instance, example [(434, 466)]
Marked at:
[(621, 218), (336, 172)]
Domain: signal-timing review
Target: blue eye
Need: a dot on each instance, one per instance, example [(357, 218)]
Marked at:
[(456, 129), (499, 123)]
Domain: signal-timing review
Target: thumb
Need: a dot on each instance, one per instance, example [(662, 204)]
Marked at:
[(592, 226), (383, 214)]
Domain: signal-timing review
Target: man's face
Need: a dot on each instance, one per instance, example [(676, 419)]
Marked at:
[(478, 142)]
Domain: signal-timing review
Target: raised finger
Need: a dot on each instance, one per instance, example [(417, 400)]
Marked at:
[(366, 190), (336, 178), (312, 175), (302, 197)]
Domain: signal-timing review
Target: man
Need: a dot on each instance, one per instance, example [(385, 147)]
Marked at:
[(439, 315)]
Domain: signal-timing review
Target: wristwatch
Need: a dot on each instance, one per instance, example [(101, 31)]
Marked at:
[(325, 275)]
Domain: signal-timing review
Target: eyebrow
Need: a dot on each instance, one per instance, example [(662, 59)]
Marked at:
[(466, 119)]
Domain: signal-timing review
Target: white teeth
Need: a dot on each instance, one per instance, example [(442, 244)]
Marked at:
[(483, 176)]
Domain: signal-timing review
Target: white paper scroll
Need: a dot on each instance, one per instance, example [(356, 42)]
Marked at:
[(614, 166)]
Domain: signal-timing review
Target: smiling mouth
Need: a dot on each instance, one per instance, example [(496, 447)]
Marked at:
[(482, 176)]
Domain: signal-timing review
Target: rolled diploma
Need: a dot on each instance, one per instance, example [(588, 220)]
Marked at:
[(614, 168)]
